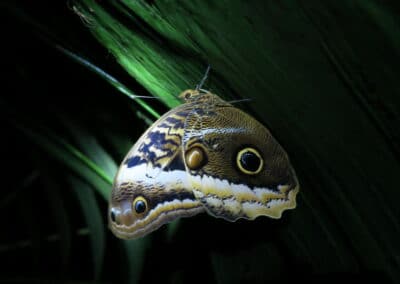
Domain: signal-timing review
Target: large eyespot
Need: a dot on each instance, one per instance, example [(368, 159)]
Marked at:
[(195, 158), (140, 205), (249, 161)]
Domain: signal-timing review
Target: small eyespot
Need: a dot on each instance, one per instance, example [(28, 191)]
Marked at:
[(112, 216), (195, 158), (249, 161), (140, 205)]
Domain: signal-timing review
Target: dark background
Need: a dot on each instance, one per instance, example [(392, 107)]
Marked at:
[(332, 101)]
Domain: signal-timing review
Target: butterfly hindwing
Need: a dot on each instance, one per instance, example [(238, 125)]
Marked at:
[(227, 190)]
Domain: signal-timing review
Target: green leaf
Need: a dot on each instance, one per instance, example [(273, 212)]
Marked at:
[(110, 79), (91, 147), (94, 221), (60, 216), (71, 157), (135, 252)]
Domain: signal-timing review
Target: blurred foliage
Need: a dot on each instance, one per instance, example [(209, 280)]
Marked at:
[(322, 75)]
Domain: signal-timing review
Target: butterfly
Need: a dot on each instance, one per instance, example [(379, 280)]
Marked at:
[(203, 156)]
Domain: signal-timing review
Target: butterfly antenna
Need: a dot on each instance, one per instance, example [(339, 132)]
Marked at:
[(203, 80), (241, 100)]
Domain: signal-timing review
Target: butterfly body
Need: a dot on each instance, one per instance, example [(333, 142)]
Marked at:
[(202, 156)]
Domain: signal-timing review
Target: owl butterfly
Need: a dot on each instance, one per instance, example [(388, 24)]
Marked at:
[(202, 156)]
